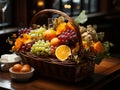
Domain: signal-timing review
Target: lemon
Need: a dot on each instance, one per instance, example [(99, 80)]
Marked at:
[(62, 52)]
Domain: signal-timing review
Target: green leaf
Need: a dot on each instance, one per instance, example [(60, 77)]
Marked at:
[(99, 58), (82, 18)]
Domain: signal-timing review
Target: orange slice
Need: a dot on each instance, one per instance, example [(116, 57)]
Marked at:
[(62, 52)]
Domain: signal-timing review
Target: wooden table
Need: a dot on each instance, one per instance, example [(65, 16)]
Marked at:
[(107, 71)]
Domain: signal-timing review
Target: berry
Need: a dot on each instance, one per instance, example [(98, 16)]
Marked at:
[(68, 37)]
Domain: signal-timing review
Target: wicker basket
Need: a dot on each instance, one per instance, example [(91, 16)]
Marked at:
[(53, 68)]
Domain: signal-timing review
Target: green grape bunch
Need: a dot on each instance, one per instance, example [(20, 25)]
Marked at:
[(37, 34), (41, 48)]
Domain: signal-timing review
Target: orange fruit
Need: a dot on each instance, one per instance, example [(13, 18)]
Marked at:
[(69, 26), (55, 41), (98, 47), (49, 34), (17, 67), (25, 68), (60, 28), (27, 41), (62, 52)]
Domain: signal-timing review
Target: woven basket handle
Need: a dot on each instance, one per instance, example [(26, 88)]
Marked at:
[(36, 16)]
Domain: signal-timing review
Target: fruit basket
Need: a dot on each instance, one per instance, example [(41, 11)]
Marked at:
[(66, 58)]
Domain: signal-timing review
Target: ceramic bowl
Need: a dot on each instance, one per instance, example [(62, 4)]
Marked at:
[(5, 65), (21, 76)]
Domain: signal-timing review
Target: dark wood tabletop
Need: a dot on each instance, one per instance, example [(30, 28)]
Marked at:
[(107, 71)]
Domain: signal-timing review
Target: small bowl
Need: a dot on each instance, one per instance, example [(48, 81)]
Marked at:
[(21, 76), (5, 65)]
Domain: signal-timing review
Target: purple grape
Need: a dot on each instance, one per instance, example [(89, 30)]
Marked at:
[(68, 37), (23, 48), (23, 31), (27, 46)]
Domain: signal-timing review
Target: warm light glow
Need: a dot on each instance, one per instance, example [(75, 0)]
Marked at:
[(67, 6), (77, 7), (40, 3)]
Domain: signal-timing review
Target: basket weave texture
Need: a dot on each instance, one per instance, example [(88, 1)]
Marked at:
[(53, 68)]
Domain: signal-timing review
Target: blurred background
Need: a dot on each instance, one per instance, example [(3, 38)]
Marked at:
[(105, 14)]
